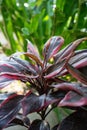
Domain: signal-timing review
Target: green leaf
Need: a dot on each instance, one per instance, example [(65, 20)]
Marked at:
[(25, 31)]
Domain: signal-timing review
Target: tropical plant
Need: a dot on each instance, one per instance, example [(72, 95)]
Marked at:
[(38, 20), (44, 78)]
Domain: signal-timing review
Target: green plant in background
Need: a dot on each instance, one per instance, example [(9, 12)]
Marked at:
[(38, 20)]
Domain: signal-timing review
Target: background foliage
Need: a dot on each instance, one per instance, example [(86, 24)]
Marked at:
[(37, 20)]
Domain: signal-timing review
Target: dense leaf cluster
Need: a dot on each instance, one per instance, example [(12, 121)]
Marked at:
[(47, 85)]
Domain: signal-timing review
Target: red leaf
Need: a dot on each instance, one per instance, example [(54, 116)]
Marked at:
[(76, 87), (52, 46), (4, 81), (32, 49), (25, 65), (77, 74), (68, 49), (35, 58), (73, 99), (79, 59), (55, 69), (7, 78)]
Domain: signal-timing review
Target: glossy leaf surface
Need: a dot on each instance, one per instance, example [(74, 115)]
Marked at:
[(73, 99), (77, 74), (32, 103), (68, 49), (8, 109), (52, 46)]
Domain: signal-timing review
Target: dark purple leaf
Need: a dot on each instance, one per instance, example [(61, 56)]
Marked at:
[(52, 46), (19, 120), (17, 65), (39, 125), (35, 125), (55, 80), (55, 69), (83, 70), (73, 99), (32, 49), (11, 70), (77, 74), (29, 55), (32, 103), (75, 121), (35, 58), (6, 79), (4, 96), (68, 50), (27, 67), (9, 66), (54, 97), (79, 59), (9, 108), (76, 87)]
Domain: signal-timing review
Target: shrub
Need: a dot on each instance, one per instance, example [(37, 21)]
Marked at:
[(44, 77)]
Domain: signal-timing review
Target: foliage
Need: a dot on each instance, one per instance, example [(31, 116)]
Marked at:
[(46, 85), (76, 121), (38, 20)]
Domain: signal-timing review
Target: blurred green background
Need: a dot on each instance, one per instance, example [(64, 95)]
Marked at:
[(38, 20)]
